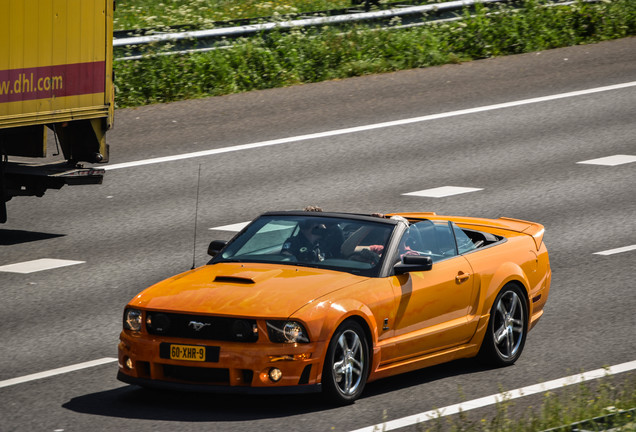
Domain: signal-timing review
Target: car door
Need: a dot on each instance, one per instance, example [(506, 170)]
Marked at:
[(432, 306)]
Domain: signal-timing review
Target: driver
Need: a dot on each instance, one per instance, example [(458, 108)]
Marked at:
[(313, 242)]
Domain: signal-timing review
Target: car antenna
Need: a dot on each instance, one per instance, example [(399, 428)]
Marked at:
[(196, 213)]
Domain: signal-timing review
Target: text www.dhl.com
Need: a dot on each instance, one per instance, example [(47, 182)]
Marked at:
[(28, 84)]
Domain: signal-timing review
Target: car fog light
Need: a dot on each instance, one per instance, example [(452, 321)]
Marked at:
[(129, 363), (275, 374)]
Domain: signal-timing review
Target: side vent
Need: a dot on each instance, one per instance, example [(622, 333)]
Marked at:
[(304, 377)]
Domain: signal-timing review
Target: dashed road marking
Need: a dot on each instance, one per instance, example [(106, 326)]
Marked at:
[(58, 371), (441, 192), (617, 250), (610, 160), (493, 399), (38, 265), (233, 227)]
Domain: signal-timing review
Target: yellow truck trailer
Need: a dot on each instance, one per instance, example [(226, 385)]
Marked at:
[(55, 76)]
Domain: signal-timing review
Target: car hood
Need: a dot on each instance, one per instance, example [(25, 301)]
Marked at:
[(242, 289)]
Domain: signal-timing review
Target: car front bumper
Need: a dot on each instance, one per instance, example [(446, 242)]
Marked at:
[(238, 368), (180, 386)]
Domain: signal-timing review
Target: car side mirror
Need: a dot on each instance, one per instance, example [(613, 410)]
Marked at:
[(413, 263), (215, 247)]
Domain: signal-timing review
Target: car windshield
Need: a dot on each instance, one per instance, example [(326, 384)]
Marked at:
[(352, 245)]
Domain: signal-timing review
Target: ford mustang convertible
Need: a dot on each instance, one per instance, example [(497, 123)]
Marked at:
[(310, 301)]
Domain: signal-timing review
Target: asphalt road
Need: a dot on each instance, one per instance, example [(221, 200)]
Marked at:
[(138, 227)]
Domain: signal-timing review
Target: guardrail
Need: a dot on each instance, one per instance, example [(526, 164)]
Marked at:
[(202, 40), (180, 42), (357, 6)]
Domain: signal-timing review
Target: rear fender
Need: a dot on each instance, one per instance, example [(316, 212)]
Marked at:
[(506, 273)]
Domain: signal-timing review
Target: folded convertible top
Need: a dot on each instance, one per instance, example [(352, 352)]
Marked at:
[(533, 229)]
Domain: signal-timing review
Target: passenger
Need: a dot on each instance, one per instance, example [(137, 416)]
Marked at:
[(408, 242), (379, 249)]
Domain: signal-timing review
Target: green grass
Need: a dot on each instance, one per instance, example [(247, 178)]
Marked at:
[(305, 56), (134, 14), (556, 411)]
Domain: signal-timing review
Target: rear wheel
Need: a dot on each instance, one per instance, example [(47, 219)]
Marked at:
[(507, 328), (346, 365)]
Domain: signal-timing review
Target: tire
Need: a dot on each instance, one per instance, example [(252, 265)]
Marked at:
[(347, 363), (507, 328)]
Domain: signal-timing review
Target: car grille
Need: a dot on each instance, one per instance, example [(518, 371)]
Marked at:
[(201, 327)]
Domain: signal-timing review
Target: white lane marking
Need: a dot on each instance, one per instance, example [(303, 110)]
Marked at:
[(617, 250), (368, 127), (37, 265), (493, 399), (610, 160), (58, 371), (234, 227), (441, 192), (271, 227)]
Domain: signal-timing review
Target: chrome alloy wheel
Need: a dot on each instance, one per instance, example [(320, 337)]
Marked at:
[(509, 325), (349, 362)]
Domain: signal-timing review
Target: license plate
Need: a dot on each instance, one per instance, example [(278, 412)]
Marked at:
[(187, 352)]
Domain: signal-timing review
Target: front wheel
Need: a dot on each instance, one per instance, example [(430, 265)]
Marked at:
[(507, 328), (347, 364)]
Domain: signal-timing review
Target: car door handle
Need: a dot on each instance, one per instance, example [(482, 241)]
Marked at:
[(462, 277)]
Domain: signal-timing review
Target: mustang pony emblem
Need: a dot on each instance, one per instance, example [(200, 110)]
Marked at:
[(196, 325)]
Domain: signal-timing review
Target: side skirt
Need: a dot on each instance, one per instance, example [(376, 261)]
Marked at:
[(470, 349), (414, 363)]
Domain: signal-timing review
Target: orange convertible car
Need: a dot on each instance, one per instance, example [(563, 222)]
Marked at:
[(307, 301)]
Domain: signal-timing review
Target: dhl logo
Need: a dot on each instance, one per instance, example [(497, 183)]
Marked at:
[(26, 84), (52, 81)]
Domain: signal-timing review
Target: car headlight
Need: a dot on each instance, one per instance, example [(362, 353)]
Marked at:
[(287, 332), (132, 319)]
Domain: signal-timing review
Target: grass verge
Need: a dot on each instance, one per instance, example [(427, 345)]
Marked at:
[(135, 14), (608, 402), (305, 56)]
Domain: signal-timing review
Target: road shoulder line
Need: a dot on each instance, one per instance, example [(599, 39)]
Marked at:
[(369, 127), (500, 397)]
